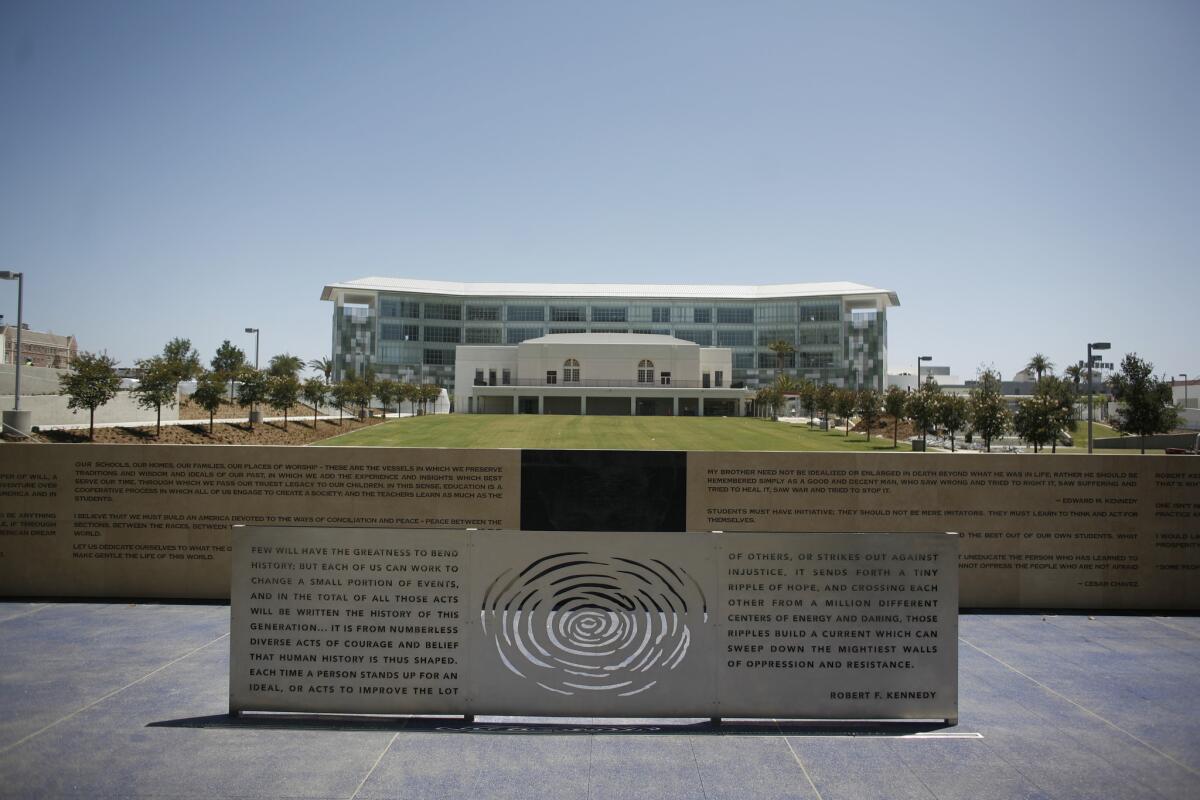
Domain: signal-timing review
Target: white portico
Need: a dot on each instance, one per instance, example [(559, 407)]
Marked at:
[(619, 374)]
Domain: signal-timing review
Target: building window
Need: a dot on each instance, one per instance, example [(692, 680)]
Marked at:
[(399, 308), (653, 331), (518, 335), (660, 314), (491, 377), (506, 377), (551, 377), (526, 313), (399, 333), (568, 330), (718, 378), (483, 336), (570, 371), (645, 371), (821, 312), (743, 360), (738, 315), (610, 314), (443, 311), (702, 338), (737, 338), (434, 333), (438, 357), (567, 314), (702, 315), (479, 377), (664, 378), (483, 313), (705, 381)]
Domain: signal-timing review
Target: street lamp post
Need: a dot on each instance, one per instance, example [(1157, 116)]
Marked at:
[(255, 416), (1092, 346), (255, 332), (16, 419), (924, 426), (1184, 375)]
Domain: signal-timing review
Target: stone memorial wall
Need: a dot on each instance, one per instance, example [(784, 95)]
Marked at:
[(1103, 531), (839, 626)]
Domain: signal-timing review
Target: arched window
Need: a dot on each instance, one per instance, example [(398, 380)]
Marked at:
[(645, 372), (571, 371)]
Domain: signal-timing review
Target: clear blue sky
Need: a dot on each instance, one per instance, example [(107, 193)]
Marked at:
[(1026, 175)]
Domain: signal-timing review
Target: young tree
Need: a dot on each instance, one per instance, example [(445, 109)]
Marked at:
[(1038, 365), (952, 413), (922, 406), (895, 401), (210, 392), (429, 394), (342, 393), (989, 415), (826, 394), (785, 385), (228, 362), (91, 382), (285, 364), (844, 402), (254, 389), (282, 393), (869, 407), (1145, 405), (323, 366), (361, 392), (766, 400), (158, 387), (808, 399), (182, 359), (1060, 401), (1034, 420), (314, 392), (387, 391)]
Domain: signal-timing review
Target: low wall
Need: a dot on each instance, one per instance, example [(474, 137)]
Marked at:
[(51, 409), (1070, 531), (1156, 442), (34, 380)]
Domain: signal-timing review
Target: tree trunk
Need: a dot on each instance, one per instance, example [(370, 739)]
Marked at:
[(158, 420), (210, 423), (314, 416), (91, 424), (285, 419), (895, 432), (951, 441)]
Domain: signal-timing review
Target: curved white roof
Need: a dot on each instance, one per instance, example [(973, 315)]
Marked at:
[(602, 290)]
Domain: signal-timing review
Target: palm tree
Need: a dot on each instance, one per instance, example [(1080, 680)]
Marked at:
[(285, 364), (782, 348), (323, 366), (1075, 374), (1039, 364)]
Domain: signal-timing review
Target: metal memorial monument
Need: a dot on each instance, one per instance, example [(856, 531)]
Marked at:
[(814, 626)]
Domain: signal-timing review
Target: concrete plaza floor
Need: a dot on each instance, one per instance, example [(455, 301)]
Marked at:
[(101, 700)]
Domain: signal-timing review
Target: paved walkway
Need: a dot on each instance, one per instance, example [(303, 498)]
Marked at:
[(130, 700)]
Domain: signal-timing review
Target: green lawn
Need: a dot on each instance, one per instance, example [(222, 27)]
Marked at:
[(602, 433), (1099, 431)]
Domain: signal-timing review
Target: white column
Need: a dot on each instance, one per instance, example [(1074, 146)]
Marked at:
[(700, 410), (583, 404), (541, 404), (633, 406), (516, 404), (675, 406)]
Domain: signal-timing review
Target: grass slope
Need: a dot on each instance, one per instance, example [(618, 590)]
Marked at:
[(603, 433)]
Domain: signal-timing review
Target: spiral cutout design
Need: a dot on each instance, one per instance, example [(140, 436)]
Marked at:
[(575, 622)]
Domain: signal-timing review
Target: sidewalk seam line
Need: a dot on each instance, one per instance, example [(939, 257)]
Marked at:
[(1083, 708), (374, 766), (799, 763), (99, 700)]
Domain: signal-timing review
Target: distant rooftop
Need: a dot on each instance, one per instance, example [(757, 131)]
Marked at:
[(601, 290), (610, 338)]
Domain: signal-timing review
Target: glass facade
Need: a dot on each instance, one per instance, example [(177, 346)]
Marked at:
[(835, 339)]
